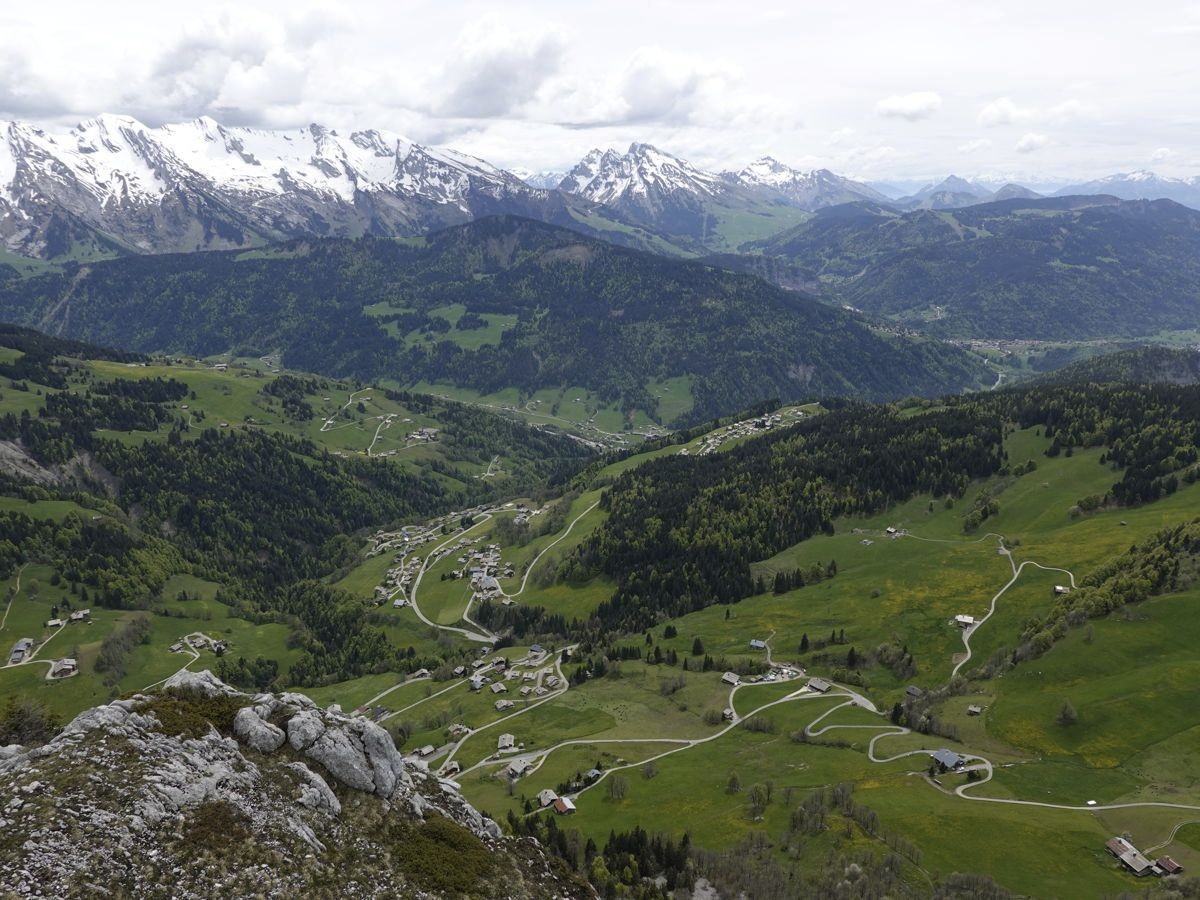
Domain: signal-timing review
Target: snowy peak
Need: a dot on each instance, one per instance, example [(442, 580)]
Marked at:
[(201, 184), (605, 176), (810, 190), (1141, 185)]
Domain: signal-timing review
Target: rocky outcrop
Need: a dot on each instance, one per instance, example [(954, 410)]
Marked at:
[(202, 791)]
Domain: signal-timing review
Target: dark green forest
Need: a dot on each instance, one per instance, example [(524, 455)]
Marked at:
[(587, 314)]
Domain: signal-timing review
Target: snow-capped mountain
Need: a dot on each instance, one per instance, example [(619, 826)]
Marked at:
[(1141, 185), (114, 183), (545, 180), (811, 190)]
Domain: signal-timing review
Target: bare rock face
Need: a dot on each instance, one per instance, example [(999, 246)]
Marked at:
[(250, 728), (236, 796)]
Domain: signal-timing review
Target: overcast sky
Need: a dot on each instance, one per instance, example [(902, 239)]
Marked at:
[(879, 89)]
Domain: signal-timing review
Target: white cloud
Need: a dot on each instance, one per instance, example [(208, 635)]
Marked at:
[(1030, 142), (839, 136), (917, 105), (973, 145), (1162, 153), (497, 71), (1003, 111)]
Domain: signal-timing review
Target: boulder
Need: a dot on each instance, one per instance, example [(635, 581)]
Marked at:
[(304, 728), (204, 683), (315, 792), (341, 753), (262, 736)]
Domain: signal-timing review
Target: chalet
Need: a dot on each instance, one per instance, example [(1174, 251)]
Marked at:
[(505, 742), (458, 730), (974, 710), (890, 530), (63, 668), (20, 649), (758, 645), (427, 750), (536, 650), (964, 621), (80, 615), (460, 670), (220, 647), (947, 759), (913, 691), (399, 603), (540, 691), (546, 797), (592, 775), (552, 681), (499, 687), (421, 673), (730, 678), (1061, 589), (55, 623), (502, 705), (176, 647), (477, 683), (563, 806), (728, 714), (820, 685), (452, 768), (517, 768), (1168, 865)]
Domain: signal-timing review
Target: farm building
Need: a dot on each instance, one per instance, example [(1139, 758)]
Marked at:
[(427, 750), (563, 806), (730, 678), (505, 742), (1131, 858), (974, 710), (19, 650), (1168, 865), (546, 797), (820, 685), (1061, 589), (728, 714), (55, 623), (913, 691), (517, 768), (963, 621), (80, 615), (947, 759), (592, 775), (758, 645), (63, 668)]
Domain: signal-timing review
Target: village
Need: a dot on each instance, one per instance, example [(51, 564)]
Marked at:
[(25, 650), (715, 440)]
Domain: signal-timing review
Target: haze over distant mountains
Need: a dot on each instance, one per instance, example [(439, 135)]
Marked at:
[(113, 186)]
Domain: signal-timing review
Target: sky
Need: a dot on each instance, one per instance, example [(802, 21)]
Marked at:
[(1040, 92)]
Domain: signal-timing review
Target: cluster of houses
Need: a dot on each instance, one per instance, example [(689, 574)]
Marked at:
[(200, 641), (1137, 862), (714, 440), (23, 649), (423, 435)]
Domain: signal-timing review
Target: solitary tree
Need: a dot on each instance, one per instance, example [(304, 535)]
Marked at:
[(1067, 715), (734, 785), (804, 642), (697, 647)]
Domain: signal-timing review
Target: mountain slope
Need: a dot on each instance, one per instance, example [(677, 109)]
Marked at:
[(1067, 267), (557, 309), (1142, 365), (225, 793), (112, 185)]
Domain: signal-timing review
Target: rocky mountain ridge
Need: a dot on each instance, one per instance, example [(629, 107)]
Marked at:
[(200, 790)]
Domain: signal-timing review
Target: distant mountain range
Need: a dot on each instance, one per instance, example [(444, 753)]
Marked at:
[(113, 186)]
